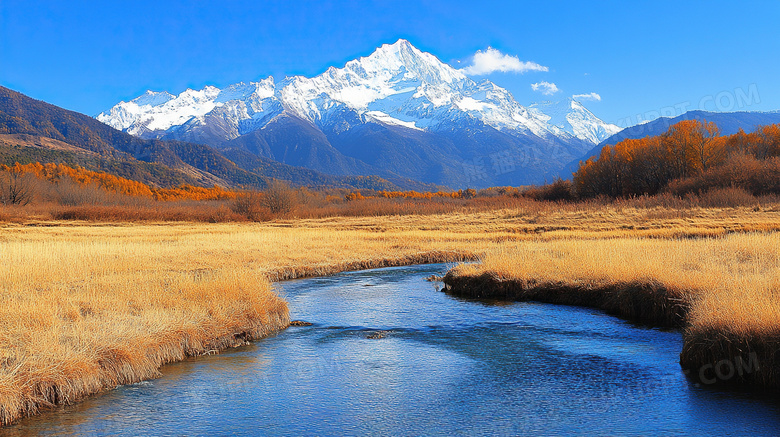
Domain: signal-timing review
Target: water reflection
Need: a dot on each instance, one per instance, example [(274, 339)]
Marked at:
[(444, 366)]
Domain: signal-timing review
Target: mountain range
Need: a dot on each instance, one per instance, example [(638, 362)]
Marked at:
[(36, 131), (398, 113), (398, 119)]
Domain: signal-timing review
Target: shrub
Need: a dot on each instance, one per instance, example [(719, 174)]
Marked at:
[(759, 177), (559, 190), (251, 206), (279, 198), (731, 197), (71, 193)]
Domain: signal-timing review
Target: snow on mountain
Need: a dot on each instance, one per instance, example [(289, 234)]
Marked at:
[(391, 70), (396, 85), (386, 119), (572, 117), (156, 111), (153, 99), (160, 112)]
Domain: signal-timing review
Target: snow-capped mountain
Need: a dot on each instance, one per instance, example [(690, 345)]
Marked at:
[(397, 96), (572, 117)]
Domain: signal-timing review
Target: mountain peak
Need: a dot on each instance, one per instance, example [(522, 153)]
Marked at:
[(397, 84), (399, 48), (573, 117), (153, 98), (402, 58), (401, 44), (392, 56)]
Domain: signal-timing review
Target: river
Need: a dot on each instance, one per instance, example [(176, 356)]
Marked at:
[(390, 354)]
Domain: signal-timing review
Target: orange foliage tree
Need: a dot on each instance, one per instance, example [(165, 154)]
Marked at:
[(689, 148), (56, 172)]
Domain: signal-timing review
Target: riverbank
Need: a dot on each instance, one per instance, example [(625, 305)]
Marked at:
[(721, 291), (89, 306), (648, 303), (94, 328)]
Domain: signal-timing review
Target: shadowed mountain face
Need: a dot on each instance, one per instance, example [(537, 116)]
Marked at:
[(398, 112), (729, 123), (33, 131)]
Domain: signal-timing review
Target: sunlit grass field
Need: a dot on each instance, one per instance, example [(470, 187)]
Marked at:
[(730, 282), (88, 306)]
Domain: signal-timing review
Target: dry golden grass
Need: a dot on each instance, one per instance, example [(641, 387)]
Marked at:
[(737, 264), (87, 306), (727, 287), (731, 280), (82, 313)]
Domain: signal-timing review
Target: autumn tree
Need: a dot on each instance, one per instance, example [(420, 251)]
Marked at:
[(766, 142), (707, 147), (691, 155)]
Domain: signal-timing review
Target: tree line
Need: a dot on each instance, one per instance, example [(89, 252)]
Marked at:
[(12, 177), (691, 155)]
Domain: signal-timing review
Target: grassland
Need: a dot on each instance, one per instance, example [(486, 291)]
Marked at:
[(723, 291), (88, 306)]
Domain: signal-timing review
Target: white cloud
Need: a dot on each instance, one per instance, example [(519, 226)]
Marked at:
[(590, 96), (545, 88), (492, 60)]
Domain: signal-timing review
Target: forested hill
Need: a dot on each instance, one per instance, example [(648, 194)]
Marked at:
[(728, 123), (691, 157)]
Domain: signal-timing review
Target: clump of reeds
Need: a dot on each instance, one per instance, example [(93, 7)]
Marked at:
[(733, 334)]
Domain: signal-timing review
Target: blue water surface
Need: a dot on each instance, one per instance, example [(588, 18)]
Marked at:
[(441, 366)]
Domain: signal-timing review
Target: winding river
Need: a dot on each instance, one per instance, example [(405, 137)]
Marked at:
[(390, 354)]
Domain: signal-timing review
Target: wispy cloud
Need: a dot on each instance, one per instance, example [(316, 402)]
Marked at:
[(545, 88), (589, 96), (492, 60)]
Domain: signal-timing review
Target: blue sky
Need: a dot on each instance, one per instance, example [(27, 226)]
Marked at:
[(642, 58)]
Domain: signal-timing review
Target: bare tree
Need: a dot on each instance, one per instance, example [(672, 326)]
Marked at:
[(71, 193), (16, 188), (249, 205), (279, 197)]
